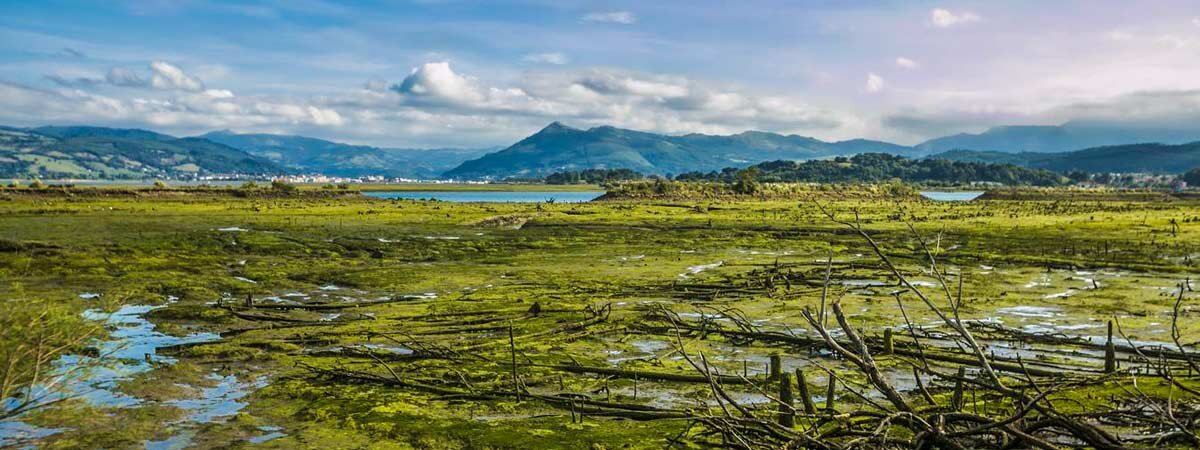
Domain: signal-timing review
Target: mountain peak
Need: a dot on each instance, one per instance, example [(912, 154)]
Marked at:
[(557, 148), (556, 126)]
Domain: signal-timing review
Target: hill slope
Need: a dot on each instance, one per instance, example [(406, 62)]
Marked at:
[(106, 153), (559, 148), (1067, 137), (310, 155), (881, 167), (1153, 158)]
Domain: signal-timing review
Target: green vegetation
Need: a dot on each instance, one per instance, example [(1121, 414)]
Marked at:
[(593, 176), (1192, 177), (879, 167), (107, 153), (349, 322), (559, 148)]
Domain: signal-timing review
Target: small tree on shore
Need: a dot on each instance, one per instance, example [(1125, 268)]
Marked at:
[(1192, 177), (35, 333), (746, 181)]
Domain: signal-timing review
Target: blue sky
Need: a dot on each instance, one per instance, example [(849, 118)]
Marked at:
[(437, 73)]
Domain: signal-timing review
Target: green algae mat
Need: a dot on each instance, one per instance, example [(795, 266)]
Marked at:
[(837, 319)]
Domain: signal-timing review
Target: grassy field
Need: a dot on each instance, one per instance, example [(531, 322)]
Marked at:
[(347, 322)]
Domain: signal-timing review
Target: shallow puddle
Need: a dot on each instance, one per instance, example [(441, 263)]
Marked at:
[(695, 270), (221, 400), (131, 349)]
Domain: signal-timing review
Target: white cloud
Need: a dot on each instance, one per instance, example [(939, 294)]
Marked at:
[(434, 105), (167, 76), (621, 17), (599, 96), (943, 18), (874, 83), (436, 82), (325, 116), (546, 58), (1159, 108), (1196, 21), (120, 76), (906, 63), (611, 82), (219, 93)]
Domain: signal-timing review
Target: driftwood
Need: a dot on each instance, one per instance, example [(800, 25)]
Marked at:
[(964, 397)]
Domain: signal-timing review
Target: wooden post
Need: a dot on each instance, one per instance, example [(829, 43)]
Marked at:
[(956, 402), (830, 392), (635, 387), (1110, 352), (787, 414), (249, 300), (802, 383), (889, 345), (776, 367)]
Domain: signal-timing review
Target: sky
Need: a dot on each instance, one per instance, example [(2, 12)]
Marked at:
[(447, 73)]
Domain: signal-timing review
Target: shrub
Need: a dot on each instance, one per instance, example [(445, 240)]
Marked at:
[(283, 186)]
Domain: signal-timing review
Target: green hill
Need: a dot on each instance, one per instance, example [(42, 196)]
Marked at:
[(109, 153), (880, 167), (1151, 158), (310, 155), (559, 148), (1056, 139)]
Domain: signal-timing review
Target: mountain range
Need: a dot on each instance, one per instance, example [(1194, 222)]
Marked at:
[(1154, 158), (561, 148), (96, 152), (1061, 138), (111, 153), (558, 147), (310, 155), (82, 152)]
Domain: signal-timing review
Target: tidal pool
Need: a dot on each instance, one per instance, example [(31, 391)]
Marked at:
[(951, 196)]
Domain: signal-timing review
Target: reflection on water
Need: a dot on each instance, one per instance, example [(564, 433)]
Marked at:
[(131, 349)]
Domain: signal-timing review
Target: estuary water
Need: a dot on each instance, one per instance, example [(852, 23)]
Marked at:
[(951, 196)]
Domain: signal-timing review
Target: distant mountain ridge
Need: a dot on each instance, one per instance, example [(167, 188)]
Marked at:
[(1057, 138), (310, 155), (1151, 158), (558, 147), (113, 153)]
